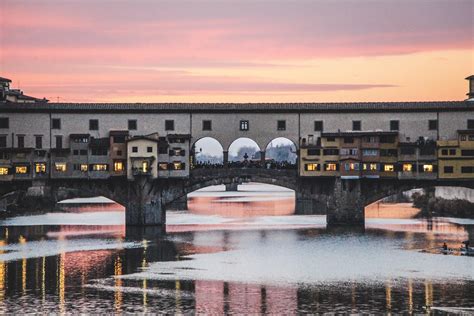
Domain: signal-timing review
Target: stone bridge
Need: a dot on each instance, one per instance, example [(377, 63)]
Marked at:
[(146, 200)]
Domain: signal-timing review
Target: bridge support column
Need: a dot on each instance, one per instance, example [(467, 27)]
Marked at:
[(346, 205), (225, 155), (262, 157), (144, 204), (231, 187)]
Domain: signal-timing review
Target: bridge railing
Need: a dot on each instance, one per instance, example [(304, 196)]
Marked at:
[(247, 165)]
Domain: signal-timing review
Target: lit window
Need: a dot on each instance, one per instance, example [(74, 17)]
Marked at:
[(99, 167), (40, 168), (371, 166), (331, 167), (163, 166), (427, 168), (389, 168), (118, 166), (407, 167), (312, 167), (21, 169), (145, 166), (177, 166), (84, 168), (3, 171), (60, 167)]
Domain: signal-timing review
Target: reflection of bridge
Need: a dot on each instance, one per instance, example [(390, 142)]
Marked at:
[(146, 200)]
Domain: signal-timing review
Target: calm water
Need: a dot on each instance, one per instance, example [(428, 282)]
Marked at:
[(238, 252)]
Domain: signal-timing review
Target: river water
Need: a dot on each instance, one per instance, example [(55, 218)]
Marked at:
[(232, 252)]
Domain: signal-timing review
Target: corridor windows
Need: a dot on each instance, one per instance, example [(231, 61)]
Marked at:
[(40, 168), (433, 125), (207, 125), (330, 167), (3, 141), (38, 142), (394, 125), (59, 141), (169, 125), (470, 124), (281, 125), (407, 167), (356, 125), (21, 141), (244, 125), (318, 126), (56, 123), (132, 125), (4, 122), (389, 168), (93, 125), (312, 167), (60, 166)]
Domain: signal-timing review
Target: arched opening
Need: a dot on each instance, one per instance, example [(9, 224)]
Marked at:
[(281, 153), (244, 150), (208, 151), (251, 199)]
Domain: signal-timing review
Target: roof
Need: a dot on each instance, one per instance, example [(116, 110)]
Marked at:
[(187, 136), (357, 133), (79, 135), (4, 79), (134, 138), (43, 107), (112, 133), (470, 77)]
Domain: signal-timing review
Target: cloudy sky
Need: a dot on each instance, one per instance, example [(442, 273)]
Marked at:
[(238, 50)]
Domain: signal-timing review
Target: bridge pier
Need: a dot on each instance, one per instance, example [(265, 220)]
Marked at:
[(225, 155), (144, 205), (345, 206), (231, 187)]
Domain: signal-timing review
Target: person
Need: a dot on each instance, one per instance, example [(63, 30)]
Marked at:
[(445, 247)]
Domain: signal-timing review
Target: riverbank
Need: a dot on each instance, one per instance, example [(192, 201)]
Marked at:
[(431, 206)]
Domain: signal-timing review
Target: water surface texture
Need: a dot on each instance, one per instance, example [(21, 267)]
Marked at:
[(233, 252)]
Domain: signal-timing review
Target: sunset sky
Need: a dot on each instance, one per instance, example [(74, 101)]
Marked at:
[(238, 50)]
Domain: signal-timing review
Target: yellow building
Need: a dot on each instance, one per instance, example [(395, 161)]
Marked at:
[(456, 157)]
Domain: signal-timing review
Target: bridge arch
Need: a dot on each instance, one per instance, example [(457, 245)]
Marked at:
[(208, 149), (288, 153), (241, 146)]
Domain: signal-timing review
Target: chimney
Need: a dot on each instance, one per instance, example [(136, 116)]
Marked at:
[(470, 94)]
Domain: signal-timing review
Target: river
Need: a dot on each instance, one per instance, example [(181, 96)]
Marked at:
[(233, 252)]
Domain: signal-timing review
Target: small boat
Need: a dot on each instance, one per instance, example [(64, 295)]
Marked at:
[(467, 251)]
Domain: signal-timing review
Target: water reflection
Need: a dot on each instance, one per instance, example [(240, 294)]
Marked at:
[(233, 264)]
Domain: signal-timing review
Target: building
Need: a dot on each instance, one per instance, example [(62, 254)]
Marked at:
[(142, 153), (456, 156), (15, 95)]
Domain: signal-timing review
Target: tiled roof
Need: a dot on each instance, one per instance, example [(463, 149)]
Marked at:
[(234, 107), (4, 79)]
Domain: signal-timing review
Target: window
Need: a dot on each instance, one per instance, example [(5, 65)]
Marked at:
[(206, 125), (169, 125), (119, 153), (177, 152), (387, 139), (407, 167), (99, 151), (427, 150), (3, 171), (470, 124), (4, 122), (351, 166), (244, 125), (356, 125), (119, 139), (21, 141), (93, 125), (348, 140), (370, 152), (83, 168), (178, 165), (370, 139), (467, 152), (3, 141), (314, 152), (330, 167), (463, 137), (331, 152), (163, 166), (388, 168), (134, 149), (100, 167), (471, 137), (4, 155), (467, 169), (163, 150), (311, 167), (370, 167), (56, 123), (433, 125), (21, 169), (427, 168), (59, 141), (145, 166), (118, 166), (149, 149), (83, 152), (394, 125), (444, 152), (60, 166), (448, 169), (75, 152), (318, 126), (388, 152), (349, 151), (40, 168), (132, 125), (281, 125), (452, 152), (81, 140), (330, 139), (38, 142)]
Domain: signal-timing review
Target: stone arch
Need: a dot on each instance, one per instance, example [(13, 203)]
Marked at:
[(211, 141), (292, 157), (252, 143)]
